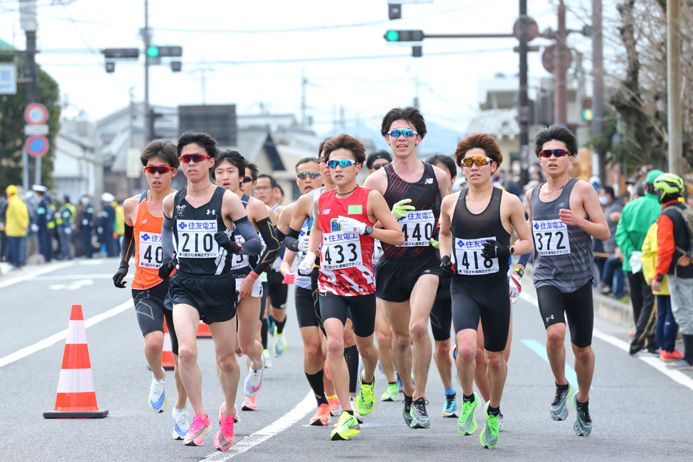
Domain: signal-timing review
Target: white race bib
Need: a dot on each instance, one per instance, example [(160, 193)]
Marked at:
[(151, 254), (239, 261), (196, 239), (340, 250), (468, 258), (550, 237), (417, 228)]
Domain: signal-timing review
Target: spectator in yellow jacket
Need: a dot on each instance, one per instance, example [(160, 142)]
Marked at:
[(16, 225)]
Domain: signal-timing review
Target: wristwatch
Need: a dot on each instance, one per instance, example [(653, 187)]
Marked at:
[(519, 271), (369, 230)]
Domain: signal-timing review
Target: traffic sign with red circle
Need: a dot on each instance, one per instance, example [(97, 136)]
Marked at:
[(36, 114), (36, 145)]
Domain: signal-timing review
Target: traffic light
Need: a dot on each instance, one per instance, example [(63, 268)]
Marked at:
[(416, 51), (587, 109), (156, 51), (121, 53), (176, 66), (404, 35), (110, 67), (394, 10)]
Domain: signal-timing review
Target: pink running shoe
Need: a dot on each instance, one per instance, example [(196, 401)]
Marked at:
[(200, 427), (223, 440)]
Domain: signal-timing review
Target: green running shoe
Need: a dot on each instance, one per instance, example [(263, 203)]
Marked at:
[(419, 416), (365, 401), (559, 407), (466, 425), (391, 393), (347, 427), (583, 421), (500, 422), (489, 435)]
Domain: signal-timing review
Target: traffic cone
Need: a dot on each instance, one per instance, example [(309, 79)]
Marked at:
[(167, 355), (76, 397), (203, 331)]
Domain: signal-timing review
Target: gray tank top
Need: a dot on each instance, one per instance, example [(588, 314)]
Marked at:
[(563, 255)]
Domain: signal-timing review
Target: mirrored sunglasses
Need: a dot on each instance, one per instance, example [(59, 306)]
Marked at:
[(396, 133), (344, 163), (160, 169), (554, 152), (303, 175), (478, 160), (187, 158)]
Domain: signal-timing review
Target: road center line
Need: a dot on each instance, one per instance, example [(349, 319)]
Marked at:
[(276, 427), (62, 335)]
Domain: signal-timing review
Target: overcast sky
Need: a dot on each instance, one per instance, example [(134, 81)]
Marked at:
[(253, 54)]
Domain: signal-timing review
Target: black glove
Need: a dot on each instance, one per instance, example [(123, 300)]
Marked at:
[(447, 267), (167, 268), (494, 249), (226, 242), (120, 275)]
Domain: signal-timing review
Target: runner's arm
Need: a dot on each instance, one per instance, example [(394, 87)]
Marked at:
[(252, 244), (445, 236), (272, 247), (391, 233)]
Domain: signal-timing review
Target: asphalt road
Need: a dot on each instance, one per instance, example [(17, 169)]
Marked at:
[(640, 409)]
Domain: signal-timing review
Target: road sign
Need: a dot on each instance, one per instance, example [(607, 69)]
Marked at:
[(8, 79), (547, 57), (36, 129), (532, 29), (36, 145), (36, 114)]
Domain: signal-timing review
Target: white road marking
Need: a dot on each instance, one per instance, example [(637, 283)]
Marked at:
[(677, 376), (276, 427), (62, 335), (72, 286), (66, 277), (33, 274)]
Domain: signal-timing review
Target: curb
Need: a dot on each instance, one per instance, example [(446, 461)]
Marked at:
[(613, 310)]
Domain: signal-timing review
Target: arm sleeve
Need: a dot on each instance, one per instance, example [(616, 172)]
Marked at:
[(167, 237), (252, 244), (524, 259), (128, 248), (291, 240), (665, 244), (267, 231)]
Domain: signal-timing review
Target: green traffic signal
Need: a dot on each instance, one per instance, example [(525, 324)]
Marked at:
[(153, 51), (392, 36), (587, 115)]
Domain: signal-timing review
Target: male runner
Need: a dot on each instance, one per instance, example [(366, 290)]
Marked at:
[(407, 275), (143, 218), (475, 229), (229, 171), (564, 216), (344, 229), (203, 287)]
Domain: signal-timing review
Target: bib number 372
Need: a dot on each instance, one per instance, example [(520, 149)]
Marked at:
[(550, 237)]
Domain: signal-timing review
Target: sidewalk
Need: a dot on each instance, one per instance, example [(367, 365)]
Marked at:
[(612, 309)]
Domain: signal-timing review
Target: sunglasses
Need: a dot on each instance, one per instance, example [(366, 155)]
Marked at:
[(402, 132), (160, 169), (379, 166), (478, 160), (247, 179), (303, 175), (344, 163), (187, 158), (554, 152)]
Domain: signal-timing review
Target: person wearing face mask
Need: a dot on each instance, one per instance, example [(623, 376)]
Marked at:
[(612, 276)]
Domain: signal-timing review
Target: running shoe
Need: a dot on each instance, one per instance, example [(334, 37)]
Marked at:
[(391, 393), (157, 395), (223, 440), (322, 416), (270, 325), (221, 412), (347, 427), (489, 434), (279, 344), (334, 405), (267, 359), (559, 407), (180, 423), (450, 407), (199, 428), (399, 384), (249, 403), (352, 402), (406, 412), (466, 425), (673, 356), (253, 381), (419, 416), (500, 422), (583, 421), (365, 402)]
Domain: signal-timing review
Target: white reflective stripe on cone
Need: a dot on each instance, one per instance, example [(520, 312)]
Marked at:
[(75, 381), (76, 333)]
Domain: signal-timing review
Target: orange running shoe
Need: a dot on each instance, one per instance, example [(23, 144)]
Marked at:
[(322, 416), (250, 403), (334, 405)]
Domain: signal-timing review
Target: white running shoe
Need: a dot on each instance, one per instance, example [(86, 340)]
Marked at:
[(267, 359), (181, 425), (253, 381), (157, 395)]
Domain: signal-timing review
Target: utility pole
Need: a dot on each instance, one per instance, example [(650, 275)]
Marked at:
[(27, 17), (523, 110), (598, 83), (147, 41), (304, 82), (560, 61), (674, 126), (417, 84)]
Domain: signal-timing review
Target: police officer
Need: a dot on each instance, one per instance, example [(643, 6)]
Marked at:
[(64, 222), (44, 215), (86, 224)]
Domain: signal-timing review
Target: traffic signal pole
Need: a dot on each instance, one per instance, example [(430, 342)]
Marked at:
[(147, 39), (523, 109)]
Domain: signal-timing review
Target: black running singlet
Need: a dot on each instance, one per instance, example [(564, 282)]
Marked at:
[(418, 225), (242, 265), (196, 249)]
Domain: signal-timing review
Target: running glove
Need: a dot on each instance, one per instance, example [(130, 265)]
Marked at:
[(494, 249), (225, 242), (120, 275), (435, 244), (515, 287), (447, 267), (306, 266), (351, 225), (303, 243), (400, 209), (166, 268)]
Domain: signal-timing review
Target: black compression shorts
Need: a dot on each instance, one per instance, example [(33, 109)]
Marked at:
[(151, 312), (213, 296), (578, 308), (395, 279), (361, 309), (441, 313), (305, 309), (278, 291)]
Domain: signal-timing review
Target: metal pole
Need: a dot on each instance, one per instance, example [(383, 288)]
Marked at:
[(523, 107), (31, 97), (560, 97), (147, 123), (598, 83), (674, 126)]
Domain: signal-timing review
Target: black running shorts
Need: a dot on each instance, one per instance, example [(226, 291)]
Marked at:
[(305, 310), (278, 291), (360, 307), (578, 308), (214, 296), (395, 279)]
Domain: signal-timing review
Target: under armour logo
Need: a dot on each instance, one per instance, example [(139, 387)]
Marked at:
[(429, 181), (550, 318), (211, 212)]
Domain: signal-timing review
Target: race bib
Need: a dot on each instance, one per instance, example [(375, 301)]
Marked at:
[(550, 237), (196, 239), (340, 249), (417, 228), (469, 260), (239, 261), (151, 254)]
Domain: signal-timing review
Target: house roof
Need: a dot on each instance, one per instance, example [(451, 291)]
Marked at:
[(499, 123)]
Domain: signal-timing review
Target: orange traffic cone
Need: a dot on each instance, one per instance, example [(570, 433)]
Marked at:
[(76, 396), (167, 354), (203, 331)]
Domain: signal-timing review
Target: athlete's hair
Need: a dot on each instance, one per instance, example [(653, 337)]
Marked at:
[(344, 141), (410, 114), (253, 170), (307, 160), (273, 182), (485, 142), (208, 143), (321, 148), (558, 133), (448, 161), (162, 149), (234, 158)]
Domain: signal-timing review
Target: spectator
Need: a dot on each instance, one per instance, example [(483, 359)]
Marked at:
[(16, 225), (66, 216), (4, 246), (119, 225), (85, 222), (107, 224), (612, 277)]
